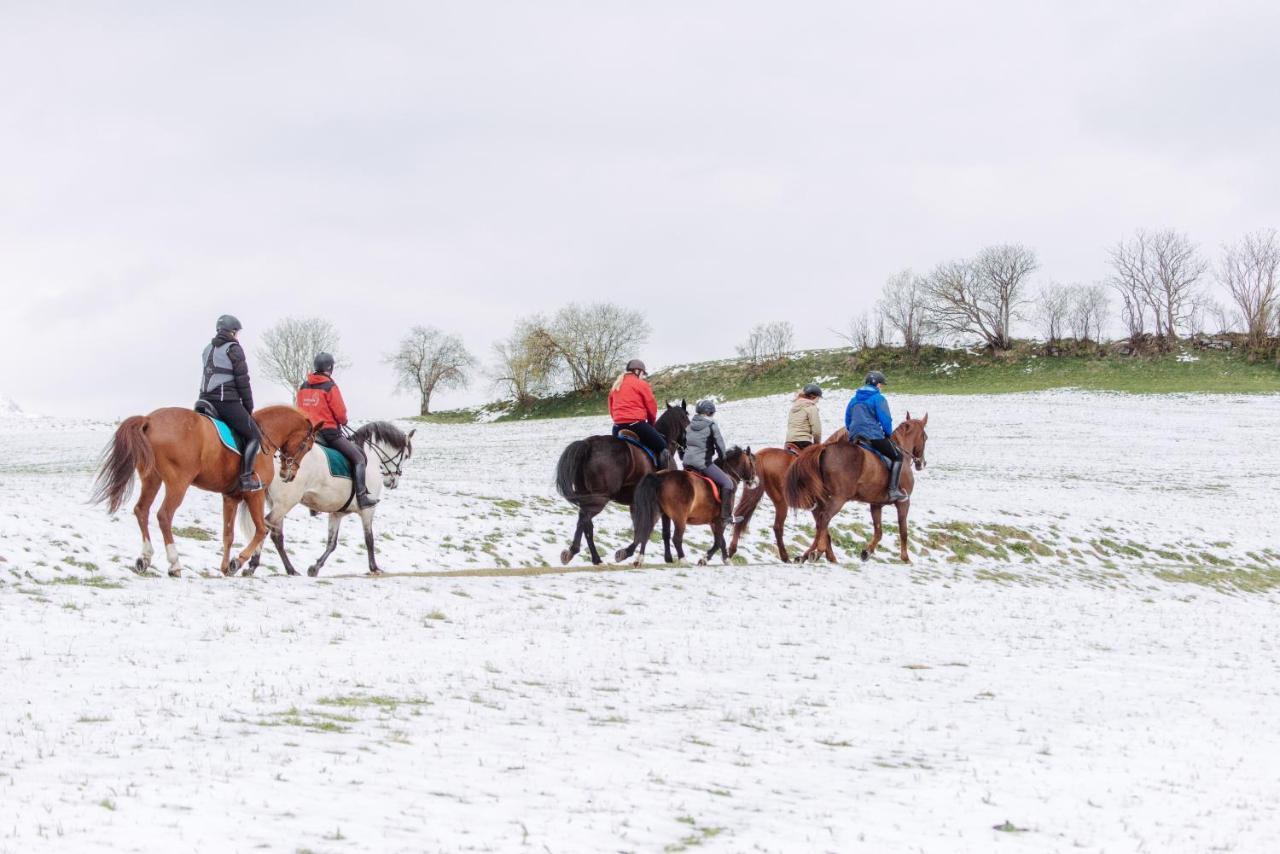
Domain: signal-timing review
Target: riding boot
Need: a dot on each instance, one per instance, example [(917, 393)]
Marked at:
[(895, 472), (726, 507), (363, 499), (664, 459), (249, 481)]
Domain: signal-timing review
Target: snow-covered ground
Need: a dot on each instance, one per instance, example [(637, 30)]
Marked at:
[(1082, 656)]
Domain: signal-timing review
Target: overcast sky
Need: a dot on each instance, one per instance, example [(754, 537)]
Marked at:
[(463, 164)]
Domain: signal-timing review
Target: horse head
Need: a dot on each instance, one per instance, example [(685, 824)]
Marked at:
[(673, 424), (290, 435), (390, 445), (741, 463), (914, 439)]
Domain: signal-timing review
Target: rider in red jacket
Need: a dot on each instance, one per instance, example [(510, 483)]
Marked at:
[(633, 407), (320, 398)]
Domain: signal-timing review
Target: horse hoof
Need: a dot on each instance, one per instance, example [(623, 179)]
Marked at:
[(288, 570), (375, 571), (637, 563), (248, 570), (313, 571), (620, 555), (175, 572), (232, 568), (565, 557), (140, 566), (866, 555), (702, 561)]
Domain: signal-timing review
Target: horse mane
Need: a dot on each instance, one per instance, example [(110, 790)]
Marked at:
[(383, 432), (732, 455)]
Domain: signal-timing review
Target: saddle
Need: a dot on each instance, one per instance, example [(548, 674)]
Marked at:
[(631, 438), (715, 490), (791, 449), (861, 443), (229, 439)]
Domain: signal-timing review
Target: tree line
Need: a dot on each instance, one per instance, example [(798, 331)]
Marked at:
[(1160, 282)]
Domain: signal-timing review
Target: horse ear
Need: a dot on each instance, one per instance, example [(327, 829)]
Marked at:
[(411, 432), (908, 414), (684, 405), (924, 421)]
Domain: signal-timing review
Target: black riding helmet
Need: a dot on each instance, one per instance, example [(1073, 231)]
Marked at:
[(876, 378), (706, 407), (323, 363), (228, 323), (636, 365), (813, 390)]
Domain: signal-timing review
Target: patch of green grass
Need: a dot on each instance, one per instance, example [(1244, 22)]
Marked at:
[(1225, 580), (934, 370), (192, 532), (92, 581)]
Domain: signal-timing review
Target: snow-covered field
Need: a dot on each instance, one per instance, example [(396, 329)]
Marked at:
[(1082, 656)]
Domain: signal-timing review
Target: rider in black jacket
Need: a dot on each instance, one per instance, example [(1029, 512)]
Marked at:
[(225, 384)]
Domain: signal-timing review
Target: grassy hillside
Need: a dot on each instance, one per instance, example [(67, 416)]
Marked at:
[(935, 370)]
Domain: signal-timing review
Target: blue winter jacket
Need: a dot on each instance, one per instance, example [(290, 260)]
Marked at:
[(868, 414)]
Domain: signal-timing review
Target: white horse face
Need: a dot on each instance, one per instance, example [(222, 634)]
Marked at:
[(391, 462)]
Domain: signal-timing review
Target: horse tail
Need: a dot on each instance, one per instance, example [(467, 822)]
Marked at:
[(805, 488), (748, 503), (645, 507), (129, 451), (569, 470)]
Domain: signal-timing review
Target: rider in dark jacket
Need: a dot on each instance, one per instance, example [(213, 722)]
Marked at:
[(225, 384), (320, 398), (868, 420), (704, 448)]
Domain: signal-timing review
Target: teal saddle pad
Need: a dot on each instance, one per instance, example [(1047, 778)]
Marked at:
[(338, 464), (226, 434)]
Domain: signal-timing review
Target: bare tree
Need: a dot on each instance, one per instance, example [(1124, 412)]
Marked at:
[(1053, 310), (524, 365), (429, 360), (768, 342), (858, 334), (1249, 271), (1156, 273), (1088, 313), (905, 308), (592, 342), (290, 346), (981, 297)]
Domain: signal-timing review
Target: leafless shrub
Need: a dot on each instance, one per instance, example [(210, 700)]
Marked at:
[(1248, 271), (1053, 311), (981, 297), (767, 342), (904, 306), (590, 343), (1156, 274), (524, 365), (429, 360), (290, 346), (1089, 312)]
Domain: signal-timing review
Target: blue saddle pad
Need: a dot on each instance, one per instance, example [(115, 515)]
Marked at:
[(226, 434), (648, 453), (888, 463), (338, 464)]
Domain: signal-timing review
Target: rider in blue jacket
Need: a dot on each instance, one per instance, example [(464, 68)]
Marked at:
[(868, 420)]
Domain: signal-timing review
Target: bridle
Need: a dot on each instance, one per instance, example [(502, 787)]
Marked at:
[(391, 465), (287, 461)]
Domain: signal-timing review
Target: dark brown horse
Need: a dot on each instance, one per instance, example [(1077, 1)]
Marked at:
[(824, 477), (599, 469), (180, 448), (684, 498)]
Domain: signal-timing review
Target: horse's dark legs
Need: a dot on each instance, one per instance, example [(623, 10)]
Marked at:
[(277, 538), (679, 537), (335, 520), (173, 495), (585, 513), (590, 532), (717, 542), (366, 517), (903, 508), (877, 511), (746, 507), (666, 539), (142, 512), (779, 519)]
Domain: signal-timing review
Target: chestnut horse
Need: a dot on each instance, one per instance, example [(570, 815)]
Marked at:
[(772, 465), (684, 498), (599, 469), (824, 477), (180, 448)]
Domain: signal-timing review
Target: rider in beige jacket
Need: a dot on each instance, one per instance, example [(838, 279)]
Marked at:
[(804, 424)]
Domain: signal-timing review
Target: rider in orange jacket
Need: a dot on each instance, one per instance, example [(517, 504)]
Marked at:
[(633, 407), (320, 398)]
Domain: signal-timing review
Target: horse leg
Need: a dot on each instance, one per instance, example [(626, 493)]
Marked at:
[(819, 528), (142, 512), (876, 511), (679, 537), (173, 495), (746, 508), (229, 506), (779, 520), (830, 511), (666, 539), (277, 538), (585, 512), (717, 542), (335, 519), (590, 531), (366, 518), (903, 508), (255, 502)]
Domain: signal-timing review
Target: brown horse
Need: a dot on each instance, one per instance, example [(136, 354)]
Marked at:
[(599, 469), (772, 465), (180, 448), (684, 498), (824, 477)]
